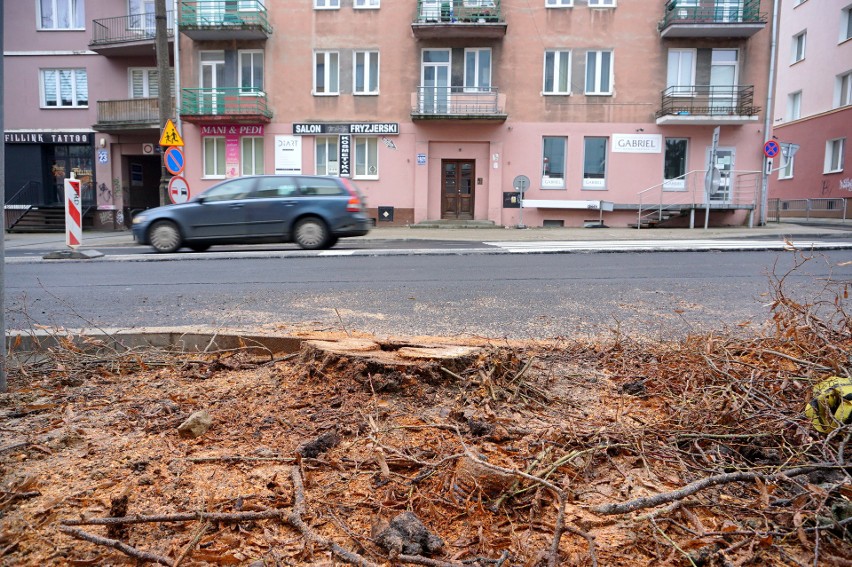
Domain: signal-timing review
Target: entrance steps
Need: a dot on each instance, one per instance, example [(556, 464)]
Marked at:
[(443, 223)]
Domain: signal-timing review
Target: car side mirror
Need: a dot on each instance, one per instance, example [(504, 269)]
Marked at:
[(200, 199)]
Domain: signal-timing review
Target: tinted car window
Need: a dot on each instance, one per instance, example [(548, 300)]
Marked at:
[(272, 187), (319, 186), (229, 190)]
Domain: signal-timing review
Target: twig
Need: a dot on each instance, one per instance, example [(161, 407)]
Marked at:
[(798, 360), (339, 318), (192, 543), (118, 545), (185, 517), (239, 458)]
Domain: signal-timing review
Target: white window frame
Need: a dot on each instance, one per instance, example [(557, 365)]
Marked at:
[(794, 106), (548, 182), (558, 3), (368, 55), (786, 171), (834, 155), (686, 89), (256, 148), (843, 90), (326, 4), (601, 3), (330, 75), (798, 47), (371, 145), (250, 90), (367, 4), (215, 166), (845, 24), (597, 56), (677, 183), (558, 54), (43, 92), (472, 75), (331, 157), (54, 4)]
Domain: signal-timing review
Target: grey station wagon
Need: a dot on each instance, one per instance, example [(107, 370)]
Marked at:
[(312, 211)]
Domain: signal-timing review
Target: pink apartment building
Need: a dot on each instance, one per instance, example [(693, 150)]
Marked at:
[(813, 101), (438, 109)]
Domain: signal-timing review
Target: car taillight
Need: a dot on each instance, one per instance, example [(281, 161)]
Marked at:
[(354, 205)]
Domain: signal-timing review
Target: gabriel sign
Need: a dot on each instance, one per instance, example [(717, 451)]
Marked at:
[(637, 143)]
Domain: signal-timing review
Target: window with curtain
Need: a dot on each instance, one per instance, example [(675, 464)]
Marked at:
[(599, 73), (326, 72), (214, 156), (366, 72), (145, 82), (61, 14), (326, 155), (64, 88), (557, 72), (366, 157), (251, 155)]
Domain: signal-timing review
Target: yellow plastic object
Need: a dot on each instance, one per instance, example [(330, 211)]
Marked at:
[(831, 405)]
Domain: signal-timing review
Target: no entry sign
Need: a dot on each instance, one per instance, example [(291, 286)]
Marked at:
[(178, 190)]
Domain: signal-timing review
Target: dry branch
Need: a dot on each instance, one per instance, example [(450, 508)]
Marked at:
[(118, 545)]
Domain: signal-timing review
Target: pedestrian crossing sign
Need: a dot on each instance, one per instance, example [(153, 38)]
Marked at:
[(170, 135)]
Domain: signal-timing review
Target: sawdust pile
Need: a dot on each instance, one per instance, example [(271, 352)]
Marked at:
[(373, 451)]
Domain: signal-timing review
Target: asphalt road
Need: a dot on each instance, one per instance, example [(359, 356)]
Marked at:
[(655, 295)]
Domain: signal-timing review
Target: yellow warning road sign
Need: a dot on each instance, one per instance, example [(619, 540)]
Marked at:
[(170, 135)]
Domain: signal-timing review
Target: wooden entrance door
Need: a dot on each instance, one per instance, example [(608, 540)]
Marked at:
[(457, 189)]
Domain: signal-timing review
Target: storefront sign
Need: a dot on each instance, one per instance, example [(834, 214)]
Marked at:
[(349, 128), (237, 130), (345, 170), (232, 155), (47, 138), (288, 155), (637, 143)]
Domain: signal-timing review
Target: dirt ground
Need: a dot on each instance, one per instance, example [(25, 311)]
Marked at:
[(501, 453)]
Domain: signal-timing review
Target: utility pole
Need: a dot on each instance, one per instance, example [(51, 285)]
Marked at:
[(3, 384), (165, 90)]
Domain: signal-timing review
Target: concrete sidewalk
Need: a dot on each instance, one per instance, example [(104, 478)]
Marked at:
[(775, 231)]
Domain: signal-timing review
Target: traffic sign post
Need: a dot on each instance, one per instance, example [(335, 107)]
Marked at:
[(521, 183), (174, 161), (178, 190)]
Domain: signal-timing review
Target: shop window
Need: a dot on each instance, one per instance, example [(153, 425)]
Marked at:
[(366, 157), (252, 155), (327, 155), (594, 163), (214, 156), (674, 164), (553, 162)]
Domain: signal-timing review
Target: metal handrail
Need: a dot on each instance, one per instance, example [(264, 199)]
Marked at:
[(16, 206), (122, 29), (708, 100), (822, 207), (223, 101), (451, 11), (442, 101), (713, 13), (215, 14)]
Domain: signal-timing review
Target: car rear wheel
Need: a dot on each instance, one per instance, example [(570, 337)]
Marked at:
[(311, 234), (164, 236)]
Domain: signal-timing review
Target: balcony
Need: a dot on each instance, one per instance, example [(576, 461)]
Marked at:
[(125, 36), (707, 105), (213, 20), (708, 18), (449, 19), (458, 103), (224, 105), (134, 114)]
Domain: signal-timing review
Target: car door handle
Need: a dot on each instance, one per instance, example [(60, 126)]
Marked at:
[(288, 203), (236, 206)]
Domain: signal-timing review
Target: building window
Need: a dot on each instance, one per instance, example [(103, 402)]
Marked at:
[(594, 163), (366, 157), (366, 73), (326, 4), (786, 171), (145, 83), (326, 155), (477, 69), (553, 163), (326, 73), (798, 49), (252, 155), (61, 15), (834, 150), (214, 156), (674, 164), (557, 72), (65, 88), (794, 106), (680, 72), (843, 97), (558, 3), (367, 4), (602, 3), (599, 73), (251, 72), (845, 24)]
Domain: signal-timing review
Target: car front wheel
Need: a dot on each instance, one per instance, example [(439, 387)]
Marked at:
[(164, 236), (311, 234)]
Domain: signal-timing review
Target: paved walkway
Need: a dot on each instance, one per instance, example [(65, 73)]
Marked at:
[(92, 239)]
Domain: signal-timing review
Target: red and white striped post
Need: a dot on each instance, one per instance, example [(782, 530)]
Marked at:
[(73, 216)]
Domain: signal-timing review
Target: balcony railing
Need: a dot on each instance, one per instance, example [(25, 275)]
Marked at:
[(457, 103), (224, 104), (224, 19), (711, 18), (707, 104), (124, 29), (130, 114), (459, 18)]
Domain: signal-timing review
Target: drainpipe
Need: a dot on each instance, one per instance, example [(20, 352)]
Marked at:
[(767, 120), (177, 66)]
